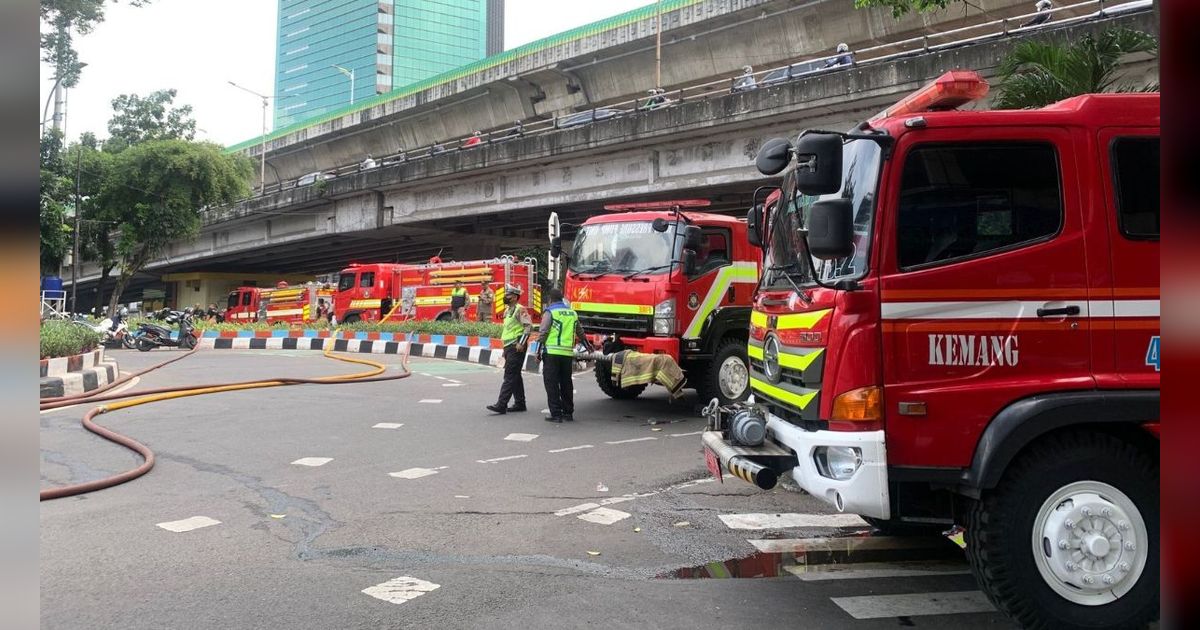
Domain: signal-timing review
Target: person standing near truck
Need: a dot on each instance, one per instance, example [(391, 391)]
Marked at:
[(514, 334), (560, 330), (458, 301), (487, 297)]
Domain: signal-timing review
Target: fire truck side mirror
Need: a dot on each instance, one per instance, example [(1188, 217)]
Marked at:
[(556, 247), (819, 163), (831, 229), (754, 225), (689, 262), (774, 156), (692, 238)]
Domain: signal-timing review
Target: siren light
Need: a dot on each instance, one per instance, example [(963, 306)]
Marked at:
[(955, 88), (657, 205)]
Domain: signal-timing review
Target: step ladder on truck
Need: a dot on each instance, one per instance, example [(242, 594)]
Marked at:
[(957, 325)]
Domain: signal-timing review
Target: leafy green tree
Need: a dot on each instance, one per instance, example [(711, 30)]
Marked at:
[(155, 117), (900, 7), (62, 18), (55, 194), (160, 187), (97, 222), (1036, 74)]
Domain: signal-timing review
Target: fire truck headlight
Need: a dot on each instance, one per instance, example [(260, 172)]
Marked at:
[(837, 462), (664, 318)]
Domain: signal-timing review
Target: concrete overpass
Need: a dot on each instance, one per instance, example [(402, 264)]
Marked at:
[(492, 199)]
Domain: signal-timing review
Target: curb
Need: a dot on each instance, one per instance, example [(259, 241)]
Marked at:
[(76, 374)]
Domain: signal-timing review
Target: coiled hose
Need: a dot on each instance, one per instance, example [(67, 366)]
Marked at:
[(168, 393)]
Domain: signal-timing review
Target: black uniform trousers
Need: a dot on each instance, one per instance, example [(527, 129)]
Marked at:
[(560, 390), (514, 386)]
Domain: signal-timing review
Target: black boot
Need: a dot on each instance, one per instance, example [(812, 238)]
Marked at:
[(516, 408), (497, 409), (554, 419), (567, 417)]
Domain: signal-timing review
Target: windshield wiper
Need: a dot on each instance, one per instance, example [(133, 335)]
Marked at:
[(648, 270), (785, 271)]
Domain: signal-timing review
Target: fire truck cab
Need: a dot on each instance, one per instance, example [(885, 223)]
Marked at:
[(959, 325), (284, 303), (661, 278)]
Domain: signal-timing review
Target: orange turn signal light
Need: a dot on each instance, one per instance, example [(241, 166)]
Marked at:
[(864, 404)]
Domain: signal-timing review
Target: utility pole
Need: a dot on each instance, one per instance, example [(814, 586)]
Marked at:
[(658, 45), (349, 73), (262, 164), (78, 221)]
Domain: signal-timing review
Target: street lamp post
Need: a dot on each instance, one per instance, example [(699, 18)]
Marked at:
[(262, 167), (349, 73)]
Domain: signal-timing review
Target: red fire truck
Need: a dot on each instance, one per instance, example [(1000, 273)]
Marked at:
[(958, 323), (293, 305), (370, 292), (663, 278)]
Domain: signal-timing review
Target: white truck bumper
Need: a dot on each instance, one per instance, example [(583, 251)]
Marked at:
[(863, 492)]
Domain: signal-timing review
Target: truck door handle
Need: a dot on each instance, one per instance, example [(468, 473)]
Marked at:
[(1051, 312)]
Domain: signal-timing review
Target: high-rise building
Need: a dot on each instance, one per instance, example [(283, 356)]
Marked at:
[(327, 48)]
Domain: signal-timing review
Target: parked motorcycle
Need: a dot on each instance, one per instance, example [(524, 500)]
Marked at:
[(112, 334), (150, 336)]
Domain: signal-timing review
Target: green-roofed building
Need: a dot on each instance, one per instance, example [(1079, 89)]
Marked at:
[(327, 46)]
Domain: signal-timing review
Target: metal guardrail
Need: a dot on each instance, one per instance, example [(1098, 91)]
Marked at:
[(807, 67)]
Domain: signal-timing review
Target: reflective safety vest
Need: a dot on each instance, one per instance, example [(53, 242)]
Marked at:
[(561, 338), (513, 328)]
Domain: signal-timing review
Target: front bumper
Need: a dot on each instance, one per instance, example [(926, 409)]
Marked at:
[(865, 492), (645, 345)]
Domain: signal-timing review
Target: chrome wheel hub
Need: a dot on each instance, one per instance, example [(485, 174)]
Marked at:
[(733, 378)]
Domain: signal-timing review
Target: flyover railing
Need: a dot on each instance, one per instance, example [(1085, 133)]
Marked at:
[(988, 30)]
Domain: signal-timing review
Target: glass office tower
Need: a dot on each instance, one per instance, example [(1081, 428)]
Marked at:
[(325, 46)]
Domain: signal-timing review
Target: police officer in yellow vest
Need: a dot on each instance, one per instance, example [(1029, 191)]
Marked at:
[(458, 301), (514, 335), (559, 331)]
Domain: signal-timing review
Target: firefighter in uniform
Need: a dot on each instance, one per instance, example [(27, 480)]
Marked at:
[(559, 331), (458, 301), (514, 334)]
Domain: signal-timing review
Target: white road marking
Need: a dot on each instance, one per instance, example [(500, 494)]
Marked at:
[(569, 448), (641, 439), (416, 473), (462, 496), (521, 437), (431, 401), (685, 434), (583, 507), (454, 381), (312, 461), (387, 425), (604, 516), (423, 373), (500, 459), (914, 604), (867, 570), (612, 500), (188, 524), (440, 378), (779, 521), (401, 589), (452, 384)]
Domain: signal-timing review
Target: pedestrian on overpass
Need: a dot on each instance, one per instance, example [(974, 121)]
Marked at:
[(514, 334), (560, 330), (1042, 16), (458, 301)]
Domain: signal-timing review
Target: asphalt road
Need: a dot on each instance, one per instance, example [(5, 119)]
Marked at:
[(452, 519)]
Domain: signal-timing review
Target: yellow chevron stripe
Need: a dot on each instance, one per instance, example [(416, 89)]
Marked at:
[(787, 359), (800, 401), (792, 321)]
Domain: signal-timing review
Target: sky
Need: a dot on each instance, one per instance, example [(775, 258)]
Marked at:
[(198, 46)]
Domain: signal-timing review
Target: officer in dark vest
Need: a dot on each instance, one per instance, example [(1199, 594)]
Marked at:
[(514, 334), (559, 331)]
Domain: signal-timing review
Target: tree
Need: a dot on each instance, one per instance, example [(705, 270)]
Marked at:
[(97, 222), (55, 195), (900, 7), (1036, 74), (159, 188), (62, 17), (155, 117)]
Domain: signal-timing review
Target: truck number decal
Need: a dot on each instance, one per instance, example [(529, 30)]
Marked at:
[(978, 350), (1152, 353)]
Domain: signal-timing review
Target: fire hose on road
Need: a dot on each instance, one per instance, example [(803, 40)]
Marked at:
[(170, 393)]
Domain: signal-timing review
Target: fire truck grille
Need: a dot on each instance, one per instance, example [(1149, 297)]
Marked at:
[(605, 323), (791, 376)]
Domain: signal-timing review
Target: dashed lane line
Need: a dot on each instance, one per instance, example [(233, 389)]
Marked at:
[(521, 437), (570, 448), (401, 589), (312, 461), (499, 459), (641, 439), (684, 434), (584, 507), (914, 604), (604, 516), (430, 401), (387, 425), (416, 473), (188, 524)]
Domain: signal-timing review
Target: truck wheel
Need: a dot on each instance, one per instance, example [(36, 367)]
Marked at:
[(896, 527), (1069, 538), (351, 319), (608, 386), (445, 317), (727, 376)]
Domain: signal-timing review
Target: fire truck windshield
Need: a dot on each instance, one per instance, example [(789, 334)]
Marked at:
[(346, 281), (785, 261), (625, 246)]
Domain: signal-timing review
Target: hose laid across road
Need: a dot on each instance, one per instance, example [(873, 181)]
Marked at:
[(169, 393)]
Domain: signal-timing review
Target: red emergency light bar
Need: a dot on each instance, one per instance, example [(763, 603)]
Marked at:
[(657, 205), (948, 91)]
